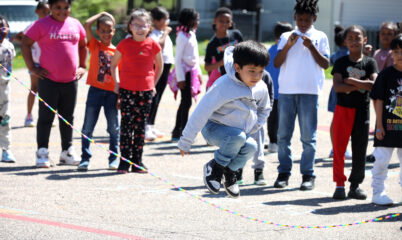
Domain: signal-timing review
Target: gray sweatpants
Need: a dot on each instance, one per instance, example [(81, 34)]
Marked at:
[(258, 159), (4, 111)]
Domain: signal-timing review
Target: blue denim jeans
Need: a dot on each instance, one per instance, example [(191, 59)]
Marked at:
[(98, 98), (305, 106), (235, 146)]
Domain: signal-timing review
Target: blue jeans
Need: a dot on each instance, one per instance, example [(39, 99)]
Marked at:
[(305, 106), (235, 146), (98, 98)]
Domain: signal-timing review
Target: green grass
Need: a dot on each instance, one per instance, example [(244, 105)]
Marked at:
[(328, 74)]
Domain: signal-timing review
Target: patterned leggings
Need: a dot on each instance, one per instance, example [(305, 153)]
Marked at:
[(135, 107)]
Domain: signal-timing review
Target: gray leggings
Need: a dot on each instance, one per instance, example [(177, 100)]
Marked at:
[(61, 97)]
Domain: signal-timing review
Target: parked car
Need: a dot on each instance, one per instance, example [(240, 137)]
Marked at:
[(19, 14)]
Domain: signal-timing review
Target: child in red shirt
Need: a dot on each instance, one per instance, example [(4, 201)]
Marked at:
[(135, 57)]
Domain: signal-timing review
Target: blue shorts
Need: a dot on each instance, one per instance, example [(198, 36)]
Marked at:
[(332, 100)]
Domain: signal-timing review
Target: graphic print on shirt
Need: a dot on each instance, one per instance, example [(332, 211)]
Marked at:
[(104, 73), (356, 73), (221, 49), (5, 60), (395, 100)]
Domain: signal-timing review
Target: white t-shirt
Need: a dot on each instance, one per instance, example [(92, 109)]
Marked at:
[(300, 73), (167, 51), (35, 49), (186, 54)]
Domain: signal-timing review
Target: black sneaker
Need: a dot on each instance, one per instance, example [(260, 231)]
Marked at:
[(357, 193), (212, 176), (339, 194), (307, 183), (370, 158), (259, 177), (282, 180), (239, 176), (230, 184)]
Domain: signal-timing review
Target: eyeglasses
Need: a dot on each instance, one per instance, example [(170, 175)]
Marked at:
[(3, 29), (136, 26)]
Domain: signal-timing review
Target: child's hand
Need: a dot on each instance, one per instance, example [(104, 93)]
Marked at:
[(118, 103), (116, 88), (380, 133), (183, 153), (79, 73), (181, 85), (167, 30), (153, 92), (307, 42), (292, 39), (40, 72), (200, 78)]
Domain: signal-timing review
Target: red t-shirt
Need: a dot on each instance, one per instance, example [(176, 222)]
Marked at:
[(99, 74), (136, 69)]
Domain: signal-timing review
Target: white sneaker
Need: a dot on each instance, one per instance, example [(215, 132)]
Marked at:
[(42, 158), (382, 199), (149, 135), (69, 157), (272, 147), (157, 133)]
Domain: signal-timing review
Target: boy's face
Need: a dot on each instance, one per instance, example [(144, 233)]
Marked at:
[(43, 12), (60, 10), (161, 24), (3, 30), (223, 22), (397, 56), (304, 21), (386, 35), (355, 40), (249, 74), (106, 32)]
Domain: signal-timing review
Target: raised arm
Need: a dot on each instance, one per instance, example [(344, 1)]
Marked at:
[(90, 21), (321, 60), (281, 56)]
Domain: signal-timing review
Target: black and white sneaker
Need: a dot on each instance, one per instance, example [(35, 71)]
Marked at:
[(212, 176), (230, 184)]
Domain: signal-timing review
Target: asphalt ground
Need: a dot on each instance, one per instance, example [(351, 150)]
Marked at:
[(61, 203)]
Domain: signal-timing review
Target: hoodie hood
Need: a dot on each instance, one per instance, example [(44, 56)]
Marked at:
[(228, 62)]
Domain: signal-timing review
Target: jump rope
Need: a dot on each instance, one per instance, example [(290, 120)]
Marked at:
[(187, 192)]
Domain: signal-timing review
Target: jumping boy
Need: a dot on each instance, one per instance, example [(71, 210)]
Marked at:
[(101, 91), (234, 107)]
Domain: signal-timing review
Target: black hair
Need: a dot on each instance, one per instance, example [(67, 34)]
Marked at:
[(250, 53), (41, 4), (51, 2), (396, 42), (221, 11), (282, 27), (139, 12), (3, 18), (392, 25), (103, 19), (306, 7), (358, 27), (339, 35), (187, 19), (157, 13)]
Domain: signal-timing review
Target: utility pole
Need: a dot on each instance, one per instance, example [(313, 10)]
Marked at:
[(130, 6)]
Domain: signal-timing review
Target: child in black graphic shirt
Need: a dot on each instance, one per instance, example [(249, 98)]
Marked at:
[(224, 37), (387, 93)]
